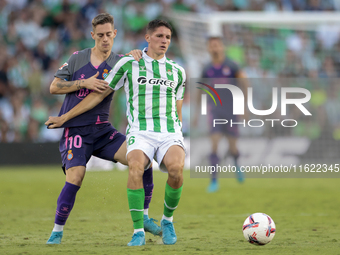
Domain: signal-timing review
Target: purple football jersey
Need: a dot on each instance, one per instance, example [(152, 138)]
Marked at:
[(79, 67), (223, 74)]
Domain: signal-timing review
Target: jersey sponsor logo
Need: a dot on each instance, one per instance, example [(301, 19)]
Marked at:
[(65, 64), (83, 93), (105, 73), (156, 81), (142, 80), (69, 155)]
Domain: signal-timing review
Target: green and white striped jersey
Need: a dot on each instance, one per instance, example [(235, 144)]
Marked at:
[(152, 88)]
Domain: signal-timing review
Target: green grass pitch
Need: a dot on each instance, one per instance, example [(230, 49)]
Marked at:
[(306, 213)]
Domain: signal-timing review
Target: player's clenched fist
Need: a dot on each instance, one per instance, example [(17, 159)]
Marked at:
[(55, 122)]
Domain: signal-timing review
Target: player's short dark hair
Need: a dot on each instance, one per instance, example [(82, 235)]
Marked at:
[(102, 19), (154, 24)]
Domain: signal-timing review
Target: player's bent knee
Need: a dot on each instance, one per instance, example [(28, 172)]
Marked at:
[(175, 175), (175, 170), (175, 167), (136, 174), (75, 179), (135, 166)]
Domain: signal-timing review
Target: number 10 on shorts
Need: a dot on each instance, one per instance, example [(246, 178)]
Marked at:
[(76, 141)]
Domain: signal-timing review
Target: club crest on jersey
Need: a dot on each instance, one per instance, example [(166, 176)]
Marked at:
[(69, 155), (226, 71), (105, 73), (65, 64), (169, 72)]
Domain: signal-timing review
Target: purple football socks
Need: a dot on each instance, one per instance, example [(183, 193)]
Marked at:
[(148, 187), (214, 160), (65, 202)]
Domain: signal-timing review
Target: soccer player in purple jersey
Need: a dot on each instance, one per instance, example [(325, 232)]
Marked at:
[(156, 132), (90, 133), (221, 67)]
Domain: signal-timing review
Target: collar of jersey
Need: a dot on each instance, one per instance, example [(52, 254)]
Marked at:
[(150, 59)]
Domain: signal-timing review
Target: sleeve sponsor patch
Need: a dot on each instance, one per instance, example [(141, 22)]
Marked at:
[(65, 64)]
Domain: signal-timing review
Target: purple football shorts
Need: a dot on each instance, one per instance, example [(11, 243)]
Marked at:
[(79, 143)]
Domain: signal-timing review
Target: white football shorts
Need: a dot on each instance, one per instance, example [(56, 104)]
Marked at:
[(153, 144)]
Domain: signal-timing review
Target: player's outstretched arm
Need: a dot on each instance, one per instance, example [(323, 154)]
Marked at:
[(89, 102), (115, 79), (60, 86)]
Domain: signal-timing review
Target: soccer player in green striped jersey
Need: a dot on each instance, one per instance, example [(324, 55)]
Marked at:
[(154, 89)]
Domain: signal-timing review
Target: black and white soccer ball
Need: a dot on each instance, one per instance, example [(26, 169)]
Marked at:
[(259, 229)]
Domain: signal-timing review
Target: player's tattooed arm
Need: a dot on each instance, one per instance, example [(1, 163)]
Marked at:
[(60, 86), (89, 102), (78, 84)]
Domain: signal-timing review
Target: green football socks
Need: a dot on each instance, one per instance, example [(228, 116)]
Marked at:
[(136, 206), (171, 199)]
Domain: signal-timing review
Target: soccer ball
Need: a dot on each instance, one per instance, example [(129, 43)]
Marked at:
[(259, 229)]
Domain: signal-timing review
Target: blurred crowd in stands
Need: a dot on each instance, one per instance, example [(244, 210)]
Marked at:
[(38, 36), (289, 55)]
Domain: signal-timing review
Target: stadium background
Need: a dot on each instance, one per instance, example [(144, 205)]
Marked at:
[(38, 36)]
